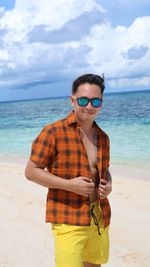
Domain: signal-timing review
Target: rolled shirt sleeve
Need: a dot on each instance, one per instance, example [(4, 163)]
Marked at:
[(43, 147)]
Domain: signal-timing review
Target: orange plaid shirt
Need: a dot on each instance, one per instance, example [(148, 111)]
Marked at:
[(59, 148)]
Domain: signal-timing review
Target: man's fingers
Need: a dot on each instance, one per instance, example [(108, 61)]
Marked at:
[(104, 188), (103, 182), (87, 179), (102, 191), (103, 194), (90, 182)]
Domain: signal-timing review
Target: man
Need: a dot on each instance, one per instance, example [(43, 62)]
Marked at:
[(71, 158)]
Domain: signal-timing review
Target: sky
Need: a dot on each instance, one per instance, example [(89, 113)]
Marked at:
[(45, 45)]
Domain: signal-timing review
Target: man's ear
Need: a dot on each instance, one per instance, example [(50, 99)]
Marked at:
[(72, 98)]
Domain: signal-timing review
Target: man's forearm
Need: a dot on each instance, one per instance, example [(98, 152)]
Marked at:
[(46, 179), (79, 185)]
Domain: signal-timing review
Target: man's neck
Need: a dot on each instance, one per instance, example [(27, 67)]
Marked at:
[(86, 126)]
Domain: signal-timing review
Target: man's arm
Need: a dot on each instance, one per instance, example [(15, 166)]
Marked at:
[(80, 185)]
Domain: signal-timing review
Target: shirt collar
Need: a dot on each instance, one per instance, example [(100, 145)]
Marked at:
[(72, 121)]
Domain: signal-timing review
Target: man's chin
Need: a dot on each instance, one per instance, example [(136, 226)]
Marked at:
[(87, 116)]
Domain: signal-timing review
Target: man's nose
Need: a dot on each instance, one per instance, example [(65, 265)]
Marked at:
[(89, 106)]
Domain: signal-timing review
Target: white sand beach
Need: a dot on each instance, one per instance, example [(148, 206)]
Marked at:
[(27, 241)]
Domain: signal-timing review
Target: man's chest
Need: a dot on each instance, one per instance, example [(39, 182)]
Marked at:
[(90, 147)]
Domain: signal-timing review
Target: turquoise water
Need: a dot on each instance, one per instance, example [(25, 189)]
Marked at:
[(125, 117)]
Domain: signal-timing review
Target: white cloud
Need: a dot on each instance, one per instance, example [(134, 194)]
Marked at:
[(17, 23), (119, 52), (129, 82), (108, 45), (53, 14)]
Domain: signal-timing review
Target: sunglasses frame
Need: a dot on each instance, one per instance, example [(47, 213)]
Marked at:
[(89, 100)]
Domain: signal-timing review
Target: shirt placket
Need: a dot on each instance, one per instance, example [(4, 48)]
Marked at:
[(84, 151), (99, 156)]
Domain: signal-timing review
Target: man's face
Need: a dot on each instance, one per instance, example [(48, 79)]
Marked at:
[(87, 113)]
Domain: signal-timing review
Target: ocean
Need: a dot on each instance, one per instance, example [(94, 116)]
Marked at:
[(125, 117)]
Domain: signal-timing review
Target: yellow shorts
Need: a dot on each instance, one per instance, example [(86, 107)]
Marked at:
[(77, 244)]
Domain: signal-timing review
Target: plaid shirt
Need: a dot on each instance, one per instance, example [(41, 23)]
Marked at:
[(59, 148)]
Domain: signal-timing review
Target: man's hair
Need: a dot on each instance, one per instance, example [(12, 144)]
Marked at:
[(88, 78)]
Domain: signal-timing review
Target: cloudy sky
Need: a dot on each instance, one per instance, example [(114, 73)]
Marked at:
[(46, 44)]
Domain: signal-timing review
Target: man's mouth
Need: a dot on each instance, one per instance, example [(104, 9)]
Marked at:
[(88, 112)]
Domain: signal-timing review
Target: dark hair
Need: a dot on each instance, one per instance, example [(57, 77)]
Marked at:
[(88, 78)]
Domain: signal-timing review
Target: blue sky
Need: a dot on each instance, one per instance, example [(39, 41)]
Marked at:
[(47, 44)]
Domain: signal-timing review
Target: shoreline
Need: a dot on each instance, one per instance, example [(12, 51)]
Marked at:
[(31, 243), (134, 171)]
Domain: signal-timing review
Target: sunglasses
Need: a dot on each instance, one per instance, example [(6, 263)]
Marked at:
[(84, 101)]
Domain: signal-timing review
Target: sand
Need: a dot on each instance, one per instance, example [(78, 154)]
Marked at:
[(27, 241)]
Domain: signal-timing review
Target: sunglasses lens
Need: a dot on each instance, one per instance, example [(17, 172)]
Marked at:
[(96, 102), (83, 101)]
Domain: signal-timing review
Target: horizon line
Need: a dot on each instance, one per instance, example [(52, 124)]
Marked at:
[(53, 97)]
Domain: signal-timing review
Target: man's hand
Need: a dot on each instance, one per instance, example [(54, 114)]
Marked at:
[(82, 186), (104, 189)]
